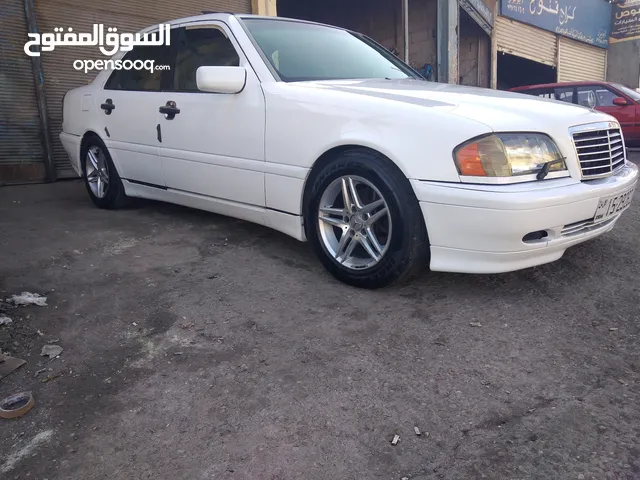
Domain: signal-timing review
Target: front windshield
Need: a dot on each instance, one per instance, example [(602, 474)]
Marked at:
[(304, 51), (628, 92)]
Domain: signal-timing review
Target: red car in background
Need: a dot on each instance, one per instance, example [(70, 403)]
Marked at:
[(617, 100)]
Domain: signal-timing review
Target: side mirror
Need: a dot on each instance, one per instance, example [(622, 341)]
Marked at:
[(620, 102), (221, 79)]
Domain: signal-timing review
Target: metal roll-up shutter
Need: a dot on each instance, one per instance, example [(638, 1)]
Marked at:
[(579, 61), (525, 41), (128, 16), (22, 157)]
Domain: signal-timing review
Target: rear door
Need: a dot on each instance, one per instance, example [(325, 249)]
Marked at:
[(129, 102), (603, 97)]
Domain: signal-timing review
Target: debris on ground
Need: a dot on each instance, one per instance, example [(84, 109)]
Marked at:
[(28, 298), (16, 405), (613, 329), (5, 320), (42, 370), (53, 340), (396, 439), (51, 351), (50, 377), (475, 324), (9, 364), (417, 431)]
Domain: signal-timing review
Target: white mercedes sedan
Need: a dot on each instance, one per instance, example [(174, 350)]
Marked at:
[(322, 134)]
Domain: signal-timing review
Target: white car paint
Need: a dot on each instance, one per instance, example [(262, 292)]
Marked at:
[(249, 154)]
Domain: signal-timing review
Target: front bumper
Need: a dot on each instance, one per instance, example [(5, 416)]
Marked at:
[(480, 228)]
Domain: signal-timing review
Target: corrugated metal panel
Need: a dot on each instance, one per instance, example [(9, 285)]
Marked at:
[(127, 16), (20, 133), (525, 41), (579, 61)]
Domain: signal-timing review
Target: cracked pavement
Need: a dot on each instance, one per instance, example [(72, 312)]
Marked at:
[(198, 347)]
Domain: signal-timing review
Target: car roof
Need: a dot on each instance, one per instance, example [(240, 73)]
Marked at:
[(224, 16), (560, 84)]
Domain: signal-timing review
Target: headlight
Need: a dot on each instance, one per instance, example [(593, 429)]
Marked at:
[(509, 158)]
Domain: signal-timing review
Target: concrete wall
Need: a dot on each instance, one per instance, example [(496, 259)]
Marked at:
[(422, 33), (474, 50), (623, 63)]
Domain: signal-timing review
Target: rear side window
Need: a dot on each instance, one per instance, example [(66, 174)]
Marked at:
[(198, 47), (564, 94), (142, 79), (546, 93)]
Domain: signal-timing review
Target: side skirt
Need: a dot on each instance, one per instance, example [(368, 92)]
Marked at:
[(286, 223)]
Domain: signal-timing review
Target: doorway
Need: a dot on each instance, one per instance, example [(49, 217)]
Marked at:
[(514, 71)]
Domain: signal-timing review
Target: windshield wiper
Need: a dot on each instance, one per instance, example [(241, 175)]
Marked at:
[(542, 174)]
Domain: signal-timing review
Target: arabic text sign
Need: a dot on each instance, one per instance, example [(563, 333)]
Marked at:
[(584, 20), (110, 43), (625, 21)]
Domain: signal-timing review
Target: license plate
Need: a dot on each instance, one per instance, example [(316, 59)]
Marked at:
[(613, 205)]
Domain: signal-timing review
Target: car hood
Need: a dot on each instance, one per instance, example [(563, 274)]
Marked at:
[(498, 110)]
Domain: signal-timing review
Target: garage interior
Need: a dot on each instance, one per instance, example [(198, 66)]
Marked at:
[(474, 50), (514, 71)]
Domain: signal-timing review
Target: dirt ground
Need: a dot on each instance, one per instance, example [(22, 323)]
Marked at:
[(199, 347)]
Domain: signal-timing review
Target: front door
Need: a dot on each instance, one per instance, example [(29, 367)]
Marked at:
[(214, 145), (129, 101)]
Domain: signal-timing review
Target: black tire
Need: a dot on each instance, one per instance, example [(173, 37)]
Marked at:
[(408, 249), (114, 196)]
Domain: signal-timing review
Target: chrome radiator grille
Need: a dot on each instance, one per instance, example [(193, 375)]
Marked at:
[(600, 151)]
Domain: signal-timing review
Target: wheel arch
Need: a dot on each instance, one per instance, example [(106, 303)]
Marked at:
[(86, 137), (331, 154)]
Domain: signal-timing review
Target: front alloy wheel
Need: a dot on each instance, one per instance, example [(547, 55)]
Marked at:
[(354, 222), (364, 221)]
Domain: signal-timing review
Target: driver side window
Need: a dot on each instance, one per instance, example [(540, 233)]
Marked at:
[(198, 47), (601, 96), (142, 79)]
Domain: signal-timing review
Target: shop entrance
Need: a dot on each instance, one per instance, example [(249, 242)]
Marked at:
[(514, 71), (474, 50)]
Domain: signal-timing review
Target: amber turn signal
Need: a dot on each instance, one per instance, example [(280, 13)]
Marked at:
[(469, 161)]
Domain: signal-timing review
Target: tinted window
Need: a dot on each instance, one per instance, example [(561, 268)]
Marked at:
[(201, 47), (564, 94), (546, 93), (303, 51), (602, 96), (142, 80)]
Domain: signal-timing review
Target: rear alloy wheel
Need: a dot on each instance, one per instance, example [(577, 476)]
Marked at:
[(364, 221), (101, 178), (97, 171)]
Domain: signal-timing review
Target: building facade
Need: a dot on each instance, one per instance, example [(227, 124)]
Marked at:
[(624, 51), (485, 43), (550, 41), (33, 87)]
